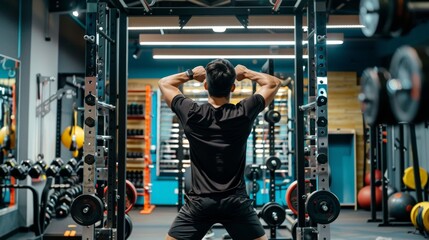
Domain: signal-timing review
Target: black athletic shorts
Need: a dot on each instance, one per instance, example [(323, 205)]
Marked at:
[(235, 213)]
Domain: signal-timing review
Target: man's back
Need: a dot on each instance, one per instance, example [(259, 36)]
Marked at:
[(217, 138)]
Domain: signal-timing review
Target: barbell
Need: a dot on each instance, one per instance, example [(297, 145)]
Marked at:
[(374, 97), (408, 88), (391, 17), (400, 94)]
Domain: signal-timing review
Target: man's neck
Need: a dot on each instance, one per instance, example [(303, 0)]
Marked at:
[(218, 101)]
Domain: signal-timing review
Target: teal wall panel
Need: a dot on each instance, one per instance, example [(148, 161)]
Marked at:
[(343, 170)]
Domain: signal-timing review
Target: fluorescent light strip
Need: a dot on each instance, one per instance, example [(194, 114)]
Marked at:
[(233, 43), (238, 27), (211, 27), (271, 27), (154, 28), (345, 26), (226, 56)]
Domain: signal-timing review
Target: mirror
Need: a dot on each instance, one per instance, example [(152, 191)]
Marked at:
[(9, 74)]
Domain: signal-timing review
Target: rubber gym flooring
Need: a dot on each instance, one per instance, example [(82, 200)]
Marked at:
[(351, 225)]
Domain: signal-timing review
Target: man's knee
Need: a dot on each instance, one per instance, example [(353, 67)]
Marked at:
[(262, 238), (168, 237)]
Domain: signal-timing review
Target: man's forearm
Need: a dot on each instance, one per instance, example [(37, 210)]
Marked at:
[(174, 80), (262, 79)]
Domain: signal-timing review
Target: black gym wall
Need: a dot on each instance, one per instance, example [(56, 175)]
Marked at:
[(71, 57)]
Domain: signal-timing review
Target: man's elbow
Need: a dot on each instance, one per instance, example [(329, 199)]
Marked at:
[(161, 82), (276, 83)]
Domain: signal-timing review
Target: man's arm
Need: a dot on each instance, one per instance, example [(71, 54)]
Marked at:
[(169, 85), (269, 85)]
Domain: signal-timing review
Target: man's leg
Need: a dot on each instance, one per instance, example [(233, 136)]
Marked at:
[(168, 237), (188, 225), (262, 238), (243, 222)]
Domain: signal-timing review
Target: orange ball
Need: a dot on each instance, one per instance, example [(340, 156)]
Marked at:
[(364, 197)]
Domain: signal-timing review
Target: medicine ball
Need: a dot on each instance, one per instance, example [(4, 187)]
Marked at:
[(364, 197), (400, 205), (67, 137)]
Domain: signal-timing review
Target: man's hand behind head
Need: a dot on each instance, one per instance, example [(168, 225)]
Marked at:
[(239, 71), (199, 73)]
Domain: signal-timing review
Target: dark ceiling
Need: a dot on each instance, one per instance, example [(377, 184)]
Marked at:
[(334, 6)]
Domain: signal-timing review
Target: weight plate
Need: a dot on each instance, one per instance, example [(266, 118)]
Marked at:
[(413, 213), (87, 209), (408, 88), (273, 214), (323, 207), (425, 217), (273, 163), (373, 15), (374, 98), (272, 116), (128, 226), (408, 177), (292, 195), (252, 171), (131, 195)]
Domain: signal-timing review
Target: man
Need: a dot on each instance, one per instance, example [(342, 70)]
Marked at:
[(217, 132)]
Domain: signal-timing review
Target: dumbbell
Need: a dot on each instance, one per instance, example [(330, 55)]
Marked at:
[(37, 169), (48, 217), (69, 168), (6, 167), (64, 202), (55, 167), (53, 199), (20, 171), (75, 179), (394, 18)]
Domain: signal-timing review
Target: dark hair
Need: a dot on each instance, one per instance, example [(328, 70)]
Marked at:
[(220, 76)]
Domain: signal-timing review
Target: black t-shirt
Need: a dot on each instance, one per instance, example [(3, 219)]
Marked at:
[(217, 138)]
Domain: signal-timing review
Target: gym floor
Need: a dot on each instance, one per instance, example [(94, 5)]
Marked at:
[(350, 225)]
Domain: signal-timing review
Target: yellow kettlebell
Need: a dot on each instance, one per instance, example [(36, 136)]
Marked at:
[(73, 136), (8, 133)]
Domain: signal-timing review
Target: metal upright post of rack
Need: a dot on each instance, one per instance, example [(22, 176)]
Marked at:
[(113, 89), (317, 121), (122, 118), (299, 118), (90, 113), (322, 104), (100, 128), (271, 143)]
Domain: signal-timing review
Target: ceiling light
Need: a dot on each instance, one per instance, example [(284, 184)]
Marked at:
[(223, 53), (227, 39), (230, 22), (75, 13)]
